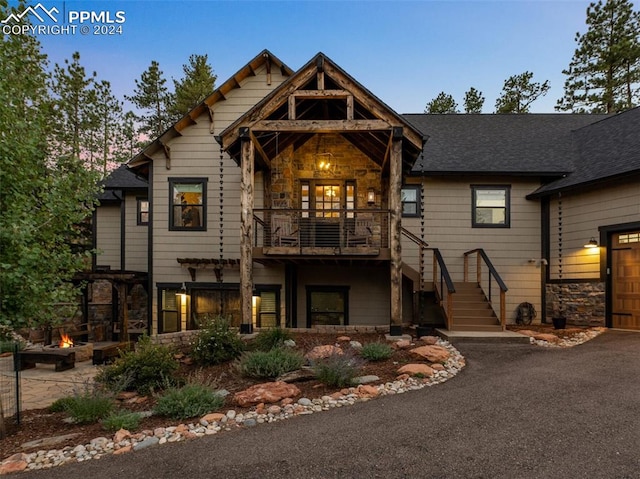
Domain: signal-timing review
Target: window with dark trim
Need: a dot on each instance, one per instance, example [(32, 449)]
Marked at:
[(327, 305), (490, 206), (187, 204), (410, 197), (169, 308), (143, 211)]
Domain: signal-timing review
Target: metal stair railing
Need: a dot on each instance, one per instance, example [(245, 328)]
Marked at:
[(442, 283), (493, 276)]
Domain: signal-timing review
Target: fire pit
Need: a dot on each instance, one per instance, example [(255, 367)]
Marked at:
[(84, 351)]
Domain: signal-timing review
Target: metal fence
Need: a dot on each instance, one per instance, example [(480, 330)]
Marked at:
[(9, 388)]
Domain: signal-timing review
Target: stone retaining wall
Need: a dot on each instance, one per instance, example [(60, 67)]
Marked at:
[(583, 303), (184, 338)]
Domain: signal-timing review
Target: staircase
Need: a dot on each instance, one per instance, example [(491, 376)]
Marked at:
[(472, 311)]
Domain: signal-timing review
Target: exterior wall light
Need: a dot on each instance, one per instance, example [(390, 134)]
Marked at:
[(593, 243), (371, 196)]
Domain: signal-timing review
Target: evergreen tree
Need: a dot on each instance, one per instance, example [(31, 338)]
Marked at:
[(473, 101), (519, 92), (73, 117), (198, 83), (42, 198), (604, 73), (109, 131), (152, 97), (443, 103)]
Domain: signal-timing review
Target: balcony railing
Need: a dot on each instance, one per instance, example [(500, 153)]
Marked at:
[(335, 231)]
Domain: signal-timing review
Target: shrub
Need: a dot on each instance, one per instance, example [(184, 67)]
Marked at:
[(271, 338), (189, 401), (337, 370), (216, 343), (85, 408), (149, 367), (376, 351), (60, 405), (270, 364), (121, 420)]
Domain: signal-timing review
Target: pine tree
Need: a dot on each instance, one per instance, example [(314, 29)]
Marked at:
[(198, 83), (604, 73), (42, 198), (73, 117), (109, 128), (473, 101), (152, 97), (443, 103), (519, 92)]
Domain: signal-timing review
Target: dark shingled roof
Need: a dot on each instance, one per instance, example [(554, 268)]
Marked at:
[(122, 178), (531, 144), (606, 150)]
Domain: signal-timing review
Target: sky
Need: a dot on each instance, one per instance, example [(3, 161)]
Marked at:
[(404, 52)]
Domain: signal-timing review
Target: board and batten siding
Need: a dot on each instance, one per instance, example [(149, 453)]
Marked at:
[(196, 154), (582, 215), (447, 212)]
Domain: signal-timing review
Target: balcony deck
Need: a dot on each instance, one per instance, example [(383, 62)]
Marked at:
[(321, 235)]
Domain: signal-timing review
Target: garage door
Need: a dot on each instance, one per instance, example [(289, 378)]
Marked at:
[(626, 280)]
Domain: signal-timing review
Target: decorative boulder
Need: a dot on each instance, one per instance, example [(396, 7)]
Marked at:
[(416, 370), (433, 353), (323, 352), (265, 393)]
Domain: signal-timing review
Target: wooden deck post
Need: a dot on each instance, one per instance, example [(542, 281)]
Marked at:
[(395, 228), (246, 231)]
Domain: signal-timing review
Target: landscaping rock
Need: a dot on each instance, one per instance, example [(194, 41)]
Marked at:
[(402, 344), (429, 340), (551, 338), (265, 392), (417, 370), (366, 379), (323, 352), (15, 463), (432, 353), (303, 374)]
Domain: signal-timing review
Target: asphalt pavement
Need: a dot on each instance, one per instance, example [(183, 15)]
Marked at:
[(515, 411)]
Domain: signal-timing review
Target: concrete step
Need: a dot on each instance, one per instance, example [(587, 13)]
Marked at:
[(464, 326), (456, 337)]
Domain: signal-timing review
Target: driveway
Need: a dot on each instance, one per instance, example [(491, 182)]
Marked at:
[(515, 411)]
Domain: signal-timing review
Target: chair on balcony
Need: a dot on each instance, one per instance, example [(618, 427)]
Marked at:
[(361, 234), (283, 232)]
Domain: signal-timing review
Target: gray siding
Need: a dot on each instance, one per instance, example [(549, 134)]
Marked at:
[(108, 236), (447, 214), (136, 239), (582, 214), (197, 154)]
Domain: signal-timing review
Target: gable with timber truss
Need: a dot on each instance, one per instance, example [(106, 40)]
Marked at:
[(321, 98)]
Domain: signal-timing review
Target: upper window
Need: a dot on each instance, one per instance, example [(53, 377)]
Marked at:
[(187, 203), (411, 201), (491, 206), (143, 211)]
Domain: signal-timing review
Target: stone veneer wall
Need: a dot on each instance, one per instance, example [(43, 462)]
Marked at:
[(349, 163), (583, 303)]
